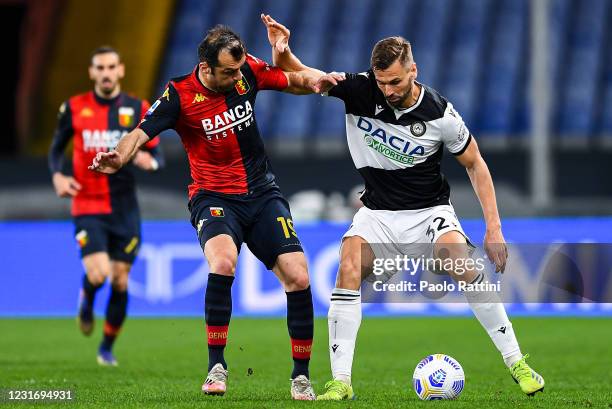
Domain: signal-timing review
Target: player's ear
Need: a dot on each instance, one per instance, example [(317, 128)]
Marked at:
[(121, 70), (91, 71), (414, 71), (205, 68)]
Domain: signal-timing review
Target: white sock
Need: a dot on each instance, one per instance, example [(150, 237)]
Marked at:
[(490, 312), (344, 319)]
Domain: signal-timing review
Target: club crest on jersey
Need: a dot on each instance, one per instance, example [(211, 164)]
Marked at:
[(126, 117), (418, 128), (242, 86), (217, 212)]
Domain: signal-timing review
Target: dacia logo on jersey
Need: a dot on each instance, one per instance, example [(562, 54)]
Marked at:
[(198, 98), (242, 86), (86, 112), (217, 212), (390, 146), (126, 117)]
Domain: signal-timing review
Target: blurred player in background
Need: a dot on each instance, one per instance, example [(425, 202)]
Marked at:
[(234, 198), (406, 197), (104, 207)]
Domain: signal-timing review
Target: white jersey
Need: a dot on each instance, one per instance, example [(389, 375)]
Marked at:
[(398, 152)]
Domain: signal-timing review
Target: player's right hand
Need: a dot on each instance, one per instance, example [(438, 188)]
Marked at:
[(328, 81), (106, 162), (65, 186)]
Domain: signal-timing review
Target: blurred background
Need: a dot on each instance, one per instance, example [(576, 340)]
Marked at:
[(532, 80)]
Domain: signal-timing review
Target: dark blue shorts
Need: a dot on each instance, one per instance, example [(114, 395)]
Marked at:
[(117, 234), (262, 221)]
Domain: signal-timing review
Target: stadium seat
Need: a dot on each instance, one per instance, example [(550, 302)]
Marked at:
[(502, 68), (578, 104), (462, 66)]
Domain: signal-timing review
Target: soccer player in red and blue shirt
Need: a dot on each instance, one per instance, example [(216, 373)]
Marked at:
[(234, 198), (104, 207)]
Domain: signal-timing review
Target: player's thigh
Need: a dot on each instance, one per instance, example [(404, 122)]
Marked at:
[(272, 233), (221, 253), (369, 237), (219, 232), (453, 245), (97, 267), (292, 271), (92, 238), (356, 260), (124, 234), (120, 271)]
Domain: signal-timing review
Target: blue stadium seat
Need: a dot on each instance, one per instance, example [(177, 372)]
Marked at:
[(268, 102), (578, 105), (502, 68), (428, 40), (462, 68), (605, 128), (393, 17), (475, 52), (347, 52)]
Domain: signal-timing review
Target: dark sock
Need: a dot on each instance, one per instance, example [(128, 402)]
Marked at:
[(116, 311), (300, 322), (218, 311), (89, 290)]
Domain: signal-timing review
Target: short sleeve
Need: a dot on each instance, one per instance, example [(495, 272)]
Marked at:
[(267, 76), (455, 134), (163, 114), (346, 89)]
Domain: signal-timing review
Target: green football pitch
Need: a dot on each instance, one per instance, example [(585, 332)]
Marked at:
[(163, 363)]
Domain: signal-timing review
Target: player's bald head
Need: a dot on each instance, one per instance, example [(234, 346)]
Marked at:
[(391, 49), (217, 39)]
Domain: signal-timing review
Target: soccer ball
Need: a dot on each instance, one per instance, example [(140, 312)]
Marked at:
[(438, 377)]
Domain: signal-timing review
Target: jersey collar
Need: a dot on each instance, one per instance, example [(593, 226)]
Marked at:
[(399, 112), (106, 101)]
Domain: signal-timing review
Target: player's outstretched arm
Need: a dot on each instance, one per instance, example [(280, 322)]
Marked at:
[(112, 161), (482, 182), (301, 78)]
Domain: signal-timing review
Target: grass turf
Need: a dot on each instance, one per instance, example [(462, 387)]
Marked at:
[(163, 363)]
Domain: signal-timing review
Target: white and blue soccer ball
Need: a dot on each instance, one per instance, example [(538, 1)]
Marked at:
[(437, 377)]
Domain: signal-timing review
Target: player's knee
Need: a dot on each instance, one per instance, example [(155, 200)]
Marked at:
[(120, 282), (297, 281), (223, 264), (96, 275)]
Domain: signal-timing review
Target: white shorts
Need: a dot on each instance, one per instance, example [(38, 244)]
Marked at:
[(404, 232)]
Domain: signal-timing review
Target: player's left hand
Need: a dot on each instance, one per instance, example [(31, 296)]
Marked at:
[(278, 34), (496, 249), (106, 162), (328, 81), (145, 161)]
